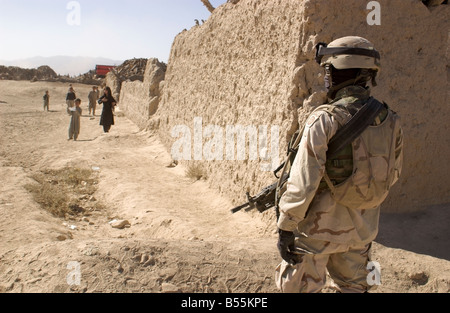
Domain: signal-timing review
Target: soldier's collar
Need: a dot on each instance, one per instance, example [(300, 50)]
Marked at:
[(352, 91)]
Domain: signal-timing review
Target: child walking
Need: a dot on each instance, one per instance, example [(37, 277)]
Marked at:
[(74, 128)]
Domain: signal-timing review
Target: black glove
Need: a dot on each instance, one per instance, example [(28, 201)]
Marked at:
[(286, 244)]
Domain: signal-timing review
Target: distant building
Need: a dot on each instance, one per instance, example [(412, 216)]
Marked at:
[(102, 70)]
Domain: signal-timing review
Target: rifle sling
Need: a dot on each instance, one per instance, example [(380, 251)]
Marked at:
[(355, 127)]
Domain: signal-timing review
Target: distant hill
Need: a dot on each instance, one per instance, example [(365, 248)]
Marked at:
[(63, 65), (16, 73)]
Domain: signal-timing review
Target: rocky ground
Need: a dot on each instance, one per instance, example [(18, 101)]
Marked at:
[(174, 234)]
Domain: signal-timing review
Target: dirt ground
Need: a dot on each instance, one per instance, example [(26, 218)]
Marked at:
[(181, 238)]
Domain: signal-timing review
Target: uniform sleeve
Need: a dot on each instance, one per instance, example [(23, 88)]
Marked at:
[(307, 170)]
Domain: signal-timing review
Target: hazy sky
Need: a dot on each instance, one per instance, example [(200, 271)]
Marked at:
[(115, 29)]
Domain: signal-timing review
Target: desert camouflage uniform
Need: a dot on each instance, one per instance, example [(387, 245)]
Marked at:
[(334, 227)]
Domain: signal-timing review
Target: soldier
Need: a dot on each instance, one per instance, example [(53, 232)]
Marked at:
[(330, 210)]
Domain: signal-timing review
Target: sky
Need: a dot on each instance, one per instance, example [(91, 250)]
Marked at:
[(114, 29)]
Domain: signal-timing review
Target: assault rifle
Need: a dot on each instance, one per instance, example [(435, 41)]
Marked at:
[(264, 201)]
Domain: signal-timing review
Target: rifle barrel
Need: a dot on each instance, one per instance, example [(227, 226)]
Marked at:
[(238, 208)]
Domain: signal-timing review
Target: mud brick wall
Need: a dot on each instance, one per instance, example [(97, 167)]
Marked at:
[(140, 100), (252, 63)]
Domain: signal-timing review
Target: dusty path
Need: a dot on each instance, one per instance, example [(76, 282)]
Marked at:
[(163, 206), (181, 238)]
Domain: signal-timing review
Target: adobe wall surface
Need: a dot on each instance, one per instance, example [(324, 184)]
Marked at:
[(140, 100), (252, 63), (113, 82)]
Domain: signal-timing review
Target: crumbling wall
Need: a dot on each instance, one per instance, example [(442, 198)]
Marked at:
[(252, 64), (113, 82), (139, 99), (130, 70)]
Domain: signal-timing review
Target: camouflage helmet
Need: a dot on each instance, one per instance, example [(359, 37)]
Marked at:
[(349, 52)]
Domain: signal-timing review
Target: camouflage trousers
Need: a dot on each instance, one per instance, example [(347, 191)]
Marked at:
[(346, 265)]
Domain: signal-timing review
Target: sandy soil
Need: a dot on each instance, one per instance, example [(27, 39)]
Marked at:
[(182, 237)]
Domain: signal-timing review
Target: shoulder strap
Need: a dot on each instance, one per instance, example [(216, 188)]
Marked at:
[(295, 141), (354, 127)]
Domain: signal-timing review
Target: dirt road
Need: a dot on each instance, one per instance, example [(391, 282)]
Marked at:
[(181, 236)]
